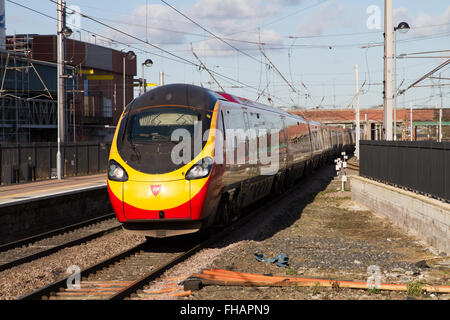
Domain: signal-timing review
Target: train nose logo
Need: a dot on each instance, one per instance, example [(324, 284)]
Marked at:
[(156, 189)]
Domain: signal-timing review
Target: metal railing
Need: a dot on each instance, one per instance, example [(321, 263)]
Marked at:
[(420, 166), (37, 161)]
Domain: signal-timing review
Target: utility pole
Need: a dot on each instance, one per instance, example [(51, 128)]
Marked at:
[(387, 101), (124, 82), (439, 135), (130, 55), (61, 9), (394, 74), (411, 121), (440, 114), (358, 133), (161, 78)]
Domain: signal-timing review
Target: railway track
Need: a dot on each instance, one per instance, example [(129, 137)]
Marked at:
[(32, 248), (120, 275), (127, 274)]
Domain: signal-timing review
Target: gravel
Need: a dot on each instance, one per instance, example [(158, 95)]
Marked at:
[(323, 232), (325, 235), (23, 279)]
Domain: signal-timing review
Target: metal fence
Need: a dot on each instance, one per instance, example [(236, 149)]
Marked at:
[(37, 161), (421, 166)]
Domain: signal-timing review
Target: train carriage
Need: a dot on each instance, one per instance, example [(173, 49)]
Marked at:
[(185, 158)]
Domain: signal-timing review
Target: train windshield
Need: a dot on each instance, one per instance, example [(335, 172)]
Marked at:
[(158, 125), (147, 137)]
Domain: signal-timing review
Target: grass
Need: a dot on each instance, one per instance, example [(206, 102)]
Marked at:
[(414, 288), (315, 289), (374, 291), (291, 271)]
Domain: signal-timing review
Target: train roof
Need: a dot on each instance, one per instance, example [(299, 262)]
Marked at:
[(195, 96)]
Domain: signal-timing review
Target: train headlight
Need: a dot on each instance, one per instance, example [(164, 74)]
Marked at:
[(116, 172), (200, 170)]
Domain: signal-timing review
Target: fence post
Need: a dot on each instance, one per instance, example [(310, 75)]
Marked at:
[(76, 159), (50, 162), (1, 165), (98, 157), (18, 164), (33, 170), (88, 157)]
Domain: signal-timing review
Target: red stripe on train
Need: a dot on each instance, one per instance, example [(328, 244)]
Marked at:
[(191, 209)]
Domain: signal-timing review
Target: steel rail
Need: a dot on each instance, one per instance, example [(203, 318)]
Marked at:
[(109, 291), (48, 234), (56, 248), (145, 280), (45, 292)]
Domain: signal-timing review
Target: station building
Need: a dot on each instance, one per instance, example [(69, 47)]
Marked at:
[(28, 92)]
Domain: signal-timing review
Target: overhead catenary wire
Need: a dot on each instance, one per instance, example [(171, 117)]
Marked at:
[(179, 59), (278, 71), (204, 67), (91, 32), (211, 33), (190, 63), (156, 47), (447, 62)]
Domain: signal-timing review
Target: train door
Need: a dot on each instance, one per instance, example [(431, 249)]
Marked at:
[(283, 145), (235, 143), (249, 164)]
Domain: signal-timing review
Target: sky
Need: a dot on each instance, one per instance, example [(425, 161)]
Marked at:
[(279, 52)]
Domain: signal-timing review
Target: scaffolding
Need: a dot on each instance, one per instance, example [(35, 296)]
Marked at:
[(26, 103)]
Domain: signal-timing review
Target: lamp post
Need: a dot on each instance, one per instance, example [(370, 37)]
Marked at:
[(147, 63), (130, 55), (358, 128), (63, 32), (402, 27), (387, 78)]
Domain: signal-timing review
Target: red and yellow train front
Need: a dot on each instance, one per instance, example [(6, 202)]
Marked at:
[(160, 169)]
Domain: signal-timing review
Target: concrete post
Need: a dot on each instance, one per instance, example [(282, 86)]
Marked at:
[(387, 103), (358, 127)]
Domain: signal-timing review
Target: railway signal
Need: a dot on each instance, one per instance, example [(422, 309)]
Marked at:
[(341, 166)]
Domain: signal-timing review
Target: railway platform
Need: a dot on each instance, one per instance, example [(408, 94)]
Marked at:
[(36, 207), (41, 190)]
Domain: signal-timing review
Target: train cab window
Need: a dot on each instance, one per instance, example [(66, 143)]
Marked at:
[(147, 142), (158, 125)]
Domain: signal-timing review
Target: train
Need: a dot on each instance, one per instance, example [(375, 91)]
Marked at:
[(185, 158)]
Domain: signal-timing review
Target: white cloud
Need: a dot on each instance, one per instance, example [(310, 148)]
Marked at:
[(289, 2), (233, 9), (162, 21), (245, 42), (330, 16), (423, 24), (234, 19)]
